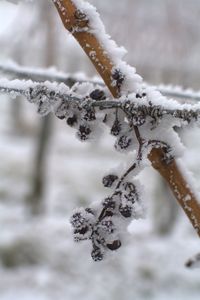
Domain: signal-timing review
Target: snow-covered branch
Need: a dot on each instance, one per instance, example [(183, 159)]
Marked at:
[(136, 107), (13, 70)]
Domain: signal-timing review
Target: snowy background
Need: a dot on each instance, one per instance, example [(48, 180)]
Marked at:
[(38, 258)]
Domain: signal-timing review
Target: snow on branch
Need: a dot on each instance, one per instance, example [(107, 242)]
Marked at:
[(13, 70), (136, 107)]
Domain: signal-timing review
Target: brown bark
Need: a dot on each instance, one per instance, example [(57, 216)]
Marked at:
[(72, 17)]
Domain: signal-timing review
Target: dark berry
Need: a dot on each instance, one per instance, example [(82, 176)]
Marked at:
[(82, 230), (138, 96), (71, 121), (118, 76), (109, 180), (97, 95), (114, 245), (84, 132), (126, 211)]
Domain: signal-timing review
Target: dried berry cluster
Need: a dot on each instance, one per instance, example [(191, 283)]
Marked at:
[(78, 109), (103, 228), (82, 107)]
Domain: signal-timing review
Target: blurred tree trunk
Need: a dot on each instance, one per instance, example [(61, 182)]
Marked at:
[(37, 195)]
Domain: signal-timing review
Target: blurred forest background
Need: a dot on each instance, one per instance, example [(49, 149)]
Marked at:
[(45, 172)]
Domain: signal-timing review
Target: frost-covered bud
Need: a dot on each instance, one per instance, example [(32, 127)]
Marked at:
[(82, 218), (78, 219), (97, 254), (123, 142), (97, 95), (61, 110), (89, 114), (84, 132), (37, 94), (72, 121), (138, 118), (106, 226), (114, 245), (109, 180), (44, 107), (82, 222), (118, 77), (130, 192), (116, 128)]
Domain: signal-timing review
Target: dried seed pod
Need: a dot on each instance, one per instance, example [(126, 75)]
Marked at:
[(116, 128), (105, 119), (106, 225), (109, 180), (84, 132), (130, 192), (114, 245), (123, 142), (97, 95), (82, 230), (44, 107), (129, 186), (97, 254), (61, 110)]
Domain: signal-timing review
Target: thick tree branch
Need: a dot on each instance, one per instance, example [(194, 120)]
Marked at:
[(79, 25)]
